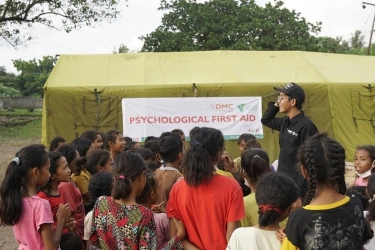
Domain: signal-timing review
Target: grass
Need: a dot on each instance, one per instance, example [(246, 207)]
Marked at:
[(14, 135), (21, 112)]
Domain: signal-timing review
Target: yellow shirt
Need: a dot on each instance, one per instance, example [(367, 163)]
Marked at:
[(251, 211), (237, 161), (82, 180), (224, 173)]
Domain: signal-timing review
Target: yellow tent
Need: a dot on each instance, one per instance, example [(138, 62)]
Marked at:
[(84, 91)]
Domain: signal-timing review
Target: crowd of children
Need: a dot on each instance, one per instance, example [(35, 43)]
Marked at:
[(109, 192)]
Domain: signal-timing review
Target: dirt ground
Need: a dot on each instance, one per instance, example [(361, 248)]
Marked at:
[(7, 152)]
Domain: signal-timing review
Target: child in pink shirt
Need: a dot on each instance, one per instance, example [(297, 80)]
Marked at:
[(30, 216)]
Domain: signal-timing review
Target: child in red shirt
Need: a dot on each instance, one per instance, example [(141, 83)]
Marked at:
[(60, 172)]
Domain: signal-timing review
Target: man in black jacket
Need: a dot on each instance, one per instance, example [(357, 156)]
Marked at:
[(294, 129)]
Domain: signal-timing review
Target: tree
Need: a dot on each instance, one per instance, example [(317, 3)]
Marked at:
[(121, 49), (354, 45), (229, 24), (16, 16), (8, 83), (329, 45), (34, 74), (357, 40)]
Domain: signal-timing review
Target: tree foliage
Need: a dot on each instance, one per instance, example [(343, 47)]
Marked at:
[(122, 49), (16, 16), (8, 83), (354, 45), (229, 24), (34, 74), (357, 40)]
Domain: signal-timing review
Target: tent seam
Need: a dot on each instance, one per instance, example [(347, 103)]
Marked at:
[(328, 92)]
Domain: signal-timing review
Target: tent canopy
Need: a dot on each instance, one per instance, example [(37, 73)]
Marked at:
[(84, 91)]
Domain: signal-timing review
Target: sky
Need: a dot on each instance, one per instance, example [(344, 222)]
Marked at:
[(140, 17)]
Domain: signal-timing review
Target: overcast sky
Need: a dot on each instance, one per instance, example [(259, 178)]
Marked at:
[(339, 17)]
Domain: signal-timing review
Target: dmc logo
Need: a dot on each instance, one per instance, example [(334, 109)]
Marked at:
[(219, 106), (241, 107), (244, 106)]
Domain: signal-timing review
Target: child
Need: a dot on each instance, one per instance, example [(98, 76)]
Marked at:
[(364, 162), (153, 145), (122, 210), (368, 234), (127, 139), (100, 185), (114, 143), (148, 198), (95, 137), (70, 191), (180, 133), (84, 146), (56, 143), (131, 145), (167, 175), (99, 160), (59, 172), (251, 144), (274, 198), (329, 218), (210, 205), (241, 142), (145, 153), (370, 213), (255, 163), (28, 171), (70, 241), (227, 167), (96, 161)]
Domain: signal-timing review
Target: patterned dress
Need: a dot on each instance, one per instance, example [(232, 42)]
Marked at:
[(117, 226)]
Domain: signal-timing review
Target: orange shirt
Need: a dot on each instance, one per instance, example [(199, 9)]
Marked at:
[(206, 210)]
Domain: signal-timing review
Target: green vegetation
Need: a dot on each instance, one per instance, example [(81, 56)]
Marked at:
[(20, 125), (19, 17), (31, 130), (21, 112), (241, 25)]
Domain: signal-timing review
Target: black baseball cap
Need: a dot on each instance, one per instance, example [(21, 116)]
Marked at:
[(294, 90)]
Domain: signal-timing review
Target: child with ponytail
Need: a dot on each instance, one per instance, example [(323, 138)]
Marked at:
[(27, 172), (210, 205), (118, 221), (329, 218), (275, 196), (255, 163)]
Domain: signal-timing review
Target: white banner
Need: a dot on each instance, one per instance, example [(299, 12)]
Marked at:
[(234, 116)]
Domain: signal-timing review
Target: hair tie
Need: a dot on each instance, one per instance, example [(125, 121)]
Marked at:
[(255, 156), (267, 207), (16, 160), (197, 143), (121, 177)]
